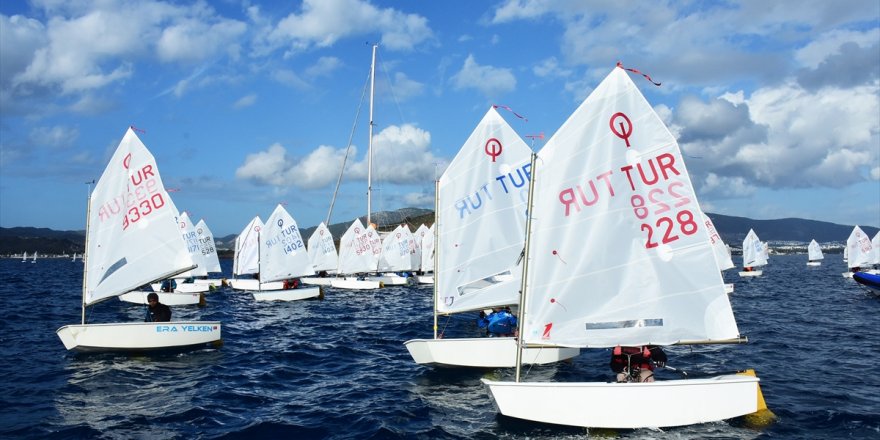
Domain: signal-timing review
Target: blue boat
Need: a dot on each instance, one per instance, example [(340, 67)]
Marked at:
[(869, 280)]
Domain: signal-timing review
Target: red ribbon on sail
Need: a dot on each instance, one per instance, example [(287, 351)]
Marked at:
[(647, 77), (510, 110), (135, 129)]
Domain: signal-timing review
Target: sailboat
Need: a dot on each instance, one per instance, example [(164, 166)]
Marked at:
[(283, 258), (128, 245), (24, 257), (209, 253), (721, 250), (753, 255), (398, 255), (34, 260), (616, 254), (425, 235), (481, 215), (356, 256), (860, 251), (74, 258), (246, 259), (814, 254), (183, 292), (322, 254)]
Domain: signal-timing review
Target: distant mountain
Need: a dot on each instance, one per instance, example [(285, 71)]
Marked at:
[(732, 229)]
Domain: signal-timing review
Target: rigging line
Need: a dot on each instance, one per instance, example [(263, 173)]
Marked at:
[(348, 149)]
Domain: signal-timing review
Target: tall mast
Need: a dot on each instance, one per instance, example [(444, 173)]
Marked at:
[(85, 258), (525, 270), (370, 142)]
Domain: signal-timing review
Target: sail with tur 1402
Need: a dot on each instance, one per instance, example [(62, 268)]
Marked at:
[(129, 245), (617, 254)]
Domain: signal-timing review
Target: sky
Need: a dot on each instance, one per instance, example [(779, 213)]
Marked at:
[(248, 104)]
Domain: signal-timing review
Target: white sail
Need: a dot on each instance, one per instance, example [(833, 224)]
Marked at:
[(428, 250), (814, 252), (618, 253), (753, 251), (247, 249), (207, 247), (396, 250), (875, 245), (282, 251), (722, 255), (322, 250), (481, 218), (191, 238), (860, 249), (24, 257), (356, 251), (133, 238), (419, 235)]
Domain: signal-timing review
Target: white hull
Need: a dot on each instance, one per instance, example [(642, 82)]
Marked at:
[(355, 284), (728, 288), (847, 274), (481, 352), (814, 263), (255, 285), (425, 279), (317, 281), (216, 282), (751, 273), (184, 287), (609, 405), (288, 294), (391, 280), (167, 298), (139, 336)]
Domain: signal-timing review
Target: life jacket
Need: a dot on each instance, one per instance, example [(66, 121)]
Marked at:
[(633, 357), (502, 322)]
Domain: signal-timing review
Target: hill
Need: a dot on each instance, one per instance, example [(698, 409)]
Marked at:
[(732, 229)]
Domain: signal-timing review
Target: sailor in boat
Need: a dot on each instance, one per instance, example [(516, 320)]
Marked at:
[(156, 311), (501, 322), (291, 283), (636, 364), (748, 269), (169, 285)]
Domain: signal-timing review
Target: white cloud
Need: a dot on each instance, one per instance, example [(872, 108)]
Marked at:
[(490, 81), (54, 137), (290, 79), (406, 88), (549, 68), (323, 22), (419, 200), (323, 67), (194, 40), (245, 101), (401, 156), (829, 43)]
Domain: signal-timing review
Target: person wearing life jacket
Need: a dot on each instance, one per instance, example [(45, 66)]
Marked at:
[(636, 362), (168, 285), (501, 322), (292, 283)]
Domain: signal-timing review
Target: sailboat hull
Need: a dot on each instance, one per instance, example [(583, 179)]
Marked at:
[(391, 280), (355, 284), (814, 263), (184, 287), (288, 294), (317, 281), (481, 353), (140, 336), (167, 298), (751, 273), (605, 405)]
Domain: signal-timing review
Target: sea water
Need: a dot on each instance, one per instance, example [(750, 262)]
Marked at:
[(337, 368)]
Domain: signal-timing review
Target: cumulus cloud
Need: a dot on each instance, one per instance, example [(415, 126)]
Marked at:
[(401, 156), (550, 68), (193, 40), (490, 81), (54, 137), (323, 67), (323, 22)]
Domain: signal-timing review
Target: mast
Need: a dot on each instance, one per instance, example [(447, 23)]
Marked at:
[(436, 235), (86, 251), (370, 142), (525, 270)]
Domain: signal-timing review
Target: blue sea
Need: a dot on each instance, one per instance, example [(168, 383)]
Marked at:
[(338, 369)]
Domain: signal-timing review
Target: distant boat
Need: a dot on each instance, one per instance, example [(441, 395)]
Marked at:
[(861, 251), (754, 255), (24, 258), (283, 258), (425, 236), (323, 256), (209, 252), (128, 249), (720, 249), (182, 283), (814, 254), (74, 257), (246, 259), (356, 256), (35, 258)]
